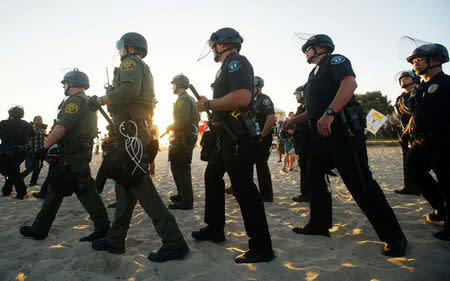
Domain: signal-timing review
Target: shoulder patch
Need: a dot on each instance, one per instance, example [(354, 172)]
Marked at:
[(179, 103), (233, 66), (266, 102), (71, 108), (127, 65), (337, 60), (432, 88)]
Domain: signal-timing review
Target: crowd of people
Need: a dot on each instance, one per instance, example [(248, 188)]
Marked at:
[(326, 133)]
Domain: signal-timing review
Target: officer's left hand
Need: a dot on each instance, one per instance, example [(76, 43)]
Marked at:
[(201, 103), (324, 125), (93, 103)]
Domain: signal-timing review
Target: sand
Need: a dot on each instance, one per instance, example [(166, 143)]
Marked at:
[(352, 253)]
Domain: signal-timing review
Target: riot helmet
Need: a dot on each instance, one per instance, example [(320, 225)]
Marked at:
[(407, 73), (416, 48), (313, 40), (16, 112), (226, 35), (180, 81), (299, 90), (75, 79), (135, 40), (258, 81), (319, 40), (432, 50)]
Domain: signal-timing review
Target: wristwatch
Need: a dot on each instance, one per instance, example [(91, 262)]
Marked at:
[(206, 105), (330, 111)]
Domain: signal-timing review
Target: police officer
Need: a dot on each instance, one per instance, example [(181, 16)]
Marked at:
[(15, 134), (431, 147), (130, 149), (330, 103), (231, 106), (265, 115), (185, 131), (74, 130), (301, 145), (408, 81)]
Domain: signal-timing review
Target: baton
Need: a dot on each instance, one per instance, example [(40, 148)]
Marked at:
[(350, 143), (226, 128), (111, 123)]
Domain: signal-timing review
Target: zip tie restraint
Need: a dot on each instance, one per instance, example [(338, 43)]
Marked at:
[(133, 146)]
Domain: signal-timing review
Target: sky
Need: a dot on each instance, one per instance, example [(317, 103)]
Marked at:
[(42, 40)]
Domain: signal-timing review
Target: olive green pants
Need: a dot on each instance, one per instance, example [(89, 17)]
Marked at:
[(89, 198), (163, 221)]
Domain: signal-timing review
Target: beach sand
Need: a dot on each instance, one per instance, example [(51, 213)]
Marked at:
[(352, 253)]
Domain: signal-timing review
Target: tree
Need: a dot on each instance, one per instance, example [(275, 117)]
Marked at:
[(375, 100)]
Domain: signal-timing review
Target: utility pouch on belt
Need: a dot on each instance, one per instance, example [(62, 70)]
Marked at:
[(250, 123), (355, 115), (63, 180), (117, 165), (243, 123)]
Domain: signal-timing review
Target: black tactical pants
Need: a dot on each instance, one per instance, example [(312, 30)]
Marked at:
[(305, 181), (11, 169), (420, 161), (262, 169), (335, 152), (180, 157), (238, 163)]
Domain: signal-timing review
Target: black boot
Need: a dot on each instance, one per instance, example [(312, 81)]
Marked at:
[(252, 256), (27, 231), (307, 230), (102, 245), (163, 255), (209, 234), (94, 236), (395, 248)]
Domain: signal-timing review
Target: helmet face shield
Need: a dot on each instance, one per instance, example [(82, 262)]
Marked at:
[(207, 49), (119, 44), (407, 45), (303, 37)]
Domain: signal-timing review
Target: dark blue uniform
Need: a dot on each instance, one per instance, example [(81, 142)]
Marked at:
[(263, 108), (402, 107), (334, 152), (15, 134), (301, 137), (237, 159), (431, 147)]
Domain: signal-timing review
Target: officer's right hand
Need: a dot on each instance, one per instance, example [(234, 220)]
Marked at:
[(93, 103), (201, 103)]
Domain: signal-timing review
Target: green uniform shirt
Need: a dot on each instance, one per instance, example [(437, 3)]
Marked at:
[(185, 115), (132, 90), (79, 121)]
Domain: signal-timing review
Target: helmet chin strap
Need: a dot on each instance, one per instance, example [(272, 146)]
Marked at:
[(407, 85), (429, 66), (218, 54), (66, 91), (316, 54)]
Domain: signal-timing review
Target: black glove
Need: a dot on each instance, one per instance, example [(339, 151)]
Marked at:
[(41, 153), (94, 103)]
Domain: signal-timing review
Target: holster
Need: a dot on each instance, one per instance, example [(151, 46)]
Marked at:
[(63, 180), (208, 143)]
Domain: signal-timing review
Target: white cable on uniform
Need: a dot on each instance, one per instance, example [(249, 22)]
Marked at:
[(133, 146)]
